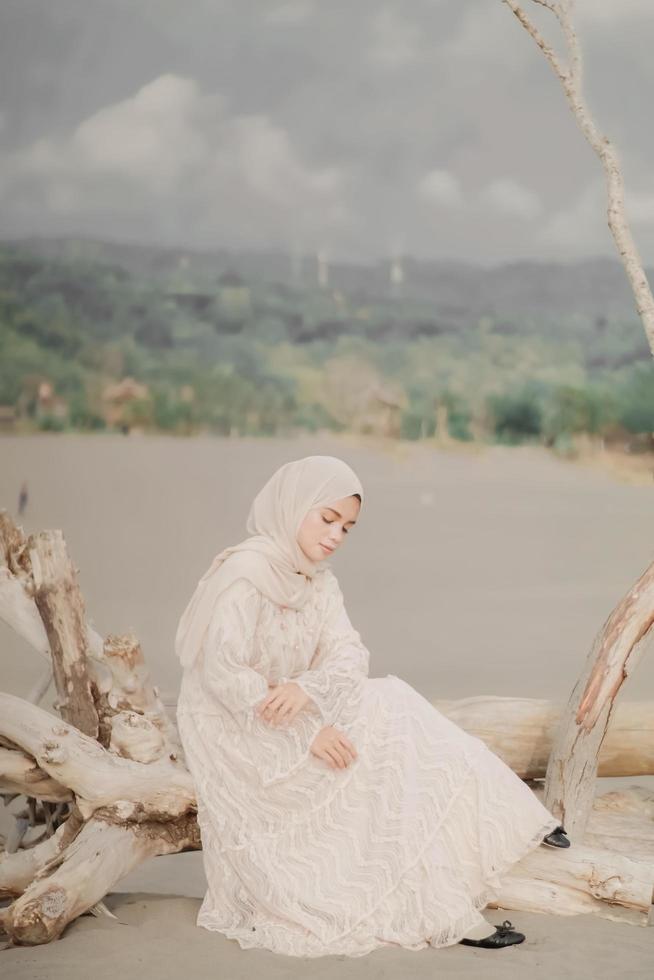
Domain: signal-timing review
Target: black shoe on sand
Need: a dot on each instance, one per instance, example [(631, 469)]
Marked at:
[(557, 838), (504, 935)]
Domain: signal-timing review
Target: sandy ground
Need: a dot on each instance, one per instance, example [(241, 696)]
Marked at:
[(469, 573), (157, 937)]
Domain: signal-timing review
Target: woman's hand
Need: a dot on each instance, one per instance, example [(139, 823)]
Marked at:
[(281, 705), (334, 747)]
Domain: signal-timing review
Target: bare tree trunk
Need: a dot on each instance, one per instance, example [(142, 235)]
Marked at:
[(573, 762), (572, 766), (54, 575), (570, 77), (521, 731)]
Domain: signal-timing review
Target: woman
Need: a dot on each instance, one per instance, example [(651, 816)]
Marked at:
[(338, 812)]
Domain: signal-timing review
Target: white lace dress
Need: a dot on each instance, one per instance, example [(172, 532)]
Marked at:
[(403, 847)]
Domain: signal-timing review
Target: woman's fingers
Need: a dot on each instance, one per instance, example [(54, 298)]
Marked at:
[(290, 706), (340, 752), (277, 702), (268, 701), (282, 710), (334, 758), (347, 745)]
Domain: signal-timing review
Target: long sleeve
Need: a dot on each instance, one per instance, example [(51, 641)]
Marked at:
[(339, 667), (228, 678), (228, 650)]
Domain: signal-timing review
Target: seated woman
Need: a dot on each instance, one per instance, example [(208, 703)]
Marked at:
[(338, 812)]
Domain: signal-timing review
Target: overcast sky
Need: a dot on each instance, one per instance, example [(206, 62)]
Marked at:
[(430, 127)]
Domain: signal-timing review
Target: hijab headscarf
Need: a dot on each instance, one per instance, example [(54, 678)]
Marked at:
[(271, 557)]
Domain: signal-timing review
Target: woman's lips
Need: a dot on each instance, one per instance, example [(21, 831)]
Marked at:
[(328, 550)]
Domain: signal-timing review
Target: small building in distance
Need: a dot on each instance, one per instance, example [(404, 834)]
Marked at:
[(126, 403), (49, 404)]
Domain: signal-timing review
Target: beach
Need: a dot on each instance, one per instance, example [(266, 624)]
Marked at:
[(470, 571)]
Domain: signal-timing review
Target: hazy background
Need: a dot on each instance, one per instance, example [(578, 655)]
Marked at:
[(430, 127), (468, 573), (236, 233)]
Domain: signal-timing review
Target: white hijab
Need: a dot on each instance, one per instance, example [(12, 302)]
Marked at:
[(271, 557)]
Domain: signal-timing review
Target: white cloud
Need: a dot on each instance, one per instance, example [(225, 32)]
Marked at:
[(171, 147), (442, 188), (504, 195), (395, 40), (486, 39), (507, 196), (291, 12), (611, 11), (150, 137), (581, 228)]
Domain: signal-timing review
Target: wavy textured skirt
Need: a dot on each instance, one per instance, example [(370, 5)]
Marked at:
[(404, 847)]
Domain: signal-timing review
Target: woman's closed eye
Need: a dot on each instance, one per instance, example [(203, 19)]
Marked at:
[(331, 522)]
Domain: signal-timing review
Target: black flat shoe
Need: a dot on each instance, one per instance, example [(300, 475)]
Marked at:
[(504, 935), (557, 838)]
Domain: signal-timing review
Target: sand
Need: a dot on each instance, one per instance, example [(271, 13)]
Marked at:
[(157, 937), (470, 572)]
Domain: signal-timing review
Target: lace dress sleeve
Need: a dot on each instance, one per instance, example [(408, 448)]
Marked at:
[(340, 665), (228, 678)]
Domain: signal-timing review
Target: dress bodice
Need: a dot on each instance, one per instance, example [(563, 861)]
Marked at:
[(285, 639), (252, 641)]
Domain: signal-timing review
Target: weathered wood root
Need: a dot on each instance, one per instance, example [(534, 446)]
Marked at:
[(158, 790), (101, 853), (117, 764), (578, 880), (521, 732)]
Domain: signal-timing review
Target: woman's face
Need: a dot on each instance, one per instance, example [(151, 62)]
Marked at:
[(323, 529)]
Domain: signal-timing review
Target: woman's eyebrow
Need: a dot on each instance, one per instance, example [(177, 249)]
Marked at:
[(339, 515)]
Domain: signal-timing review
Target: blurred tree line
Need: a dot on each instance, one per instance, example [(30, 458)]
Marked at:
[(219, 354)]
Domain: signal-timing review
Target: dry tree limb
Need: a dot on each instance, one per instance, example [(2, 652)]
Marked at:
[(159, 790), (580, 880), (521, 731), (131, 797), (570, 77), (623, 821), (116, 759), (116, 673), (18, 870), (61, 607), (573, 762), (102, 852), (19, 773)]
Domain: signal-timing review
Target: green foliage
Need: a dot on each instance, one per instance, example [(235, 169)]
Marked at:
[(570, 410), (517, 415), (459, 418), (82, 325), (636, 400), (50, 423)]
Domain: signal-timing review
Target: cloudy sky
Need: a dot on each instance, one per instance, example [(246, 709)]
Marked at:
[(363, 128)]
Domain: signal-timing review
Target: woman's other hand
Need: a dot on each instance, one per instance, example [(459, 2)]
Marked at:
[(334, 747), (282, 704)]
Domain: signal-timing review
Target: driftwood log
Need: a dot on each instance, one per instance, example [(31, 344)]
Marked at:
[(106, 785), (572, 764)]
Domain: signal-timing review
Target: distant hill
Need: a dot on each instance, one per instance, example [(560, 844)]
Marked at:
[(101, 334), (460, 291)]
